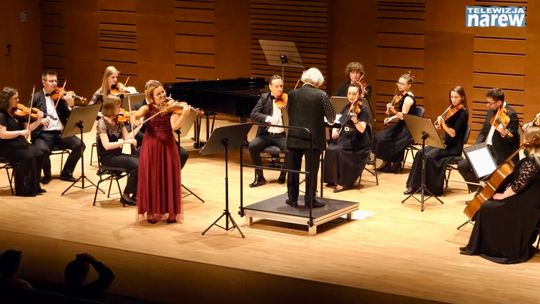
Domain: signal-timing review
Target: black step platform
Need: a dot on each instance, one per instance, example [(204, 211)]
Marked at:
[(275, 209)]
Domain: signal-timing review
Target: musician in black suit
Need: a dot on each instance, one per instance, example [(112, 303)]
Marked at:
[(49, 134), (501, 140), (140, 135), (267, 111), (307, 107)]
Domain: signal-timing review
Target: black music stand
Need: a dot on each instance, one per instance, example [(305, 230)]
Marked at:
[(228, 137), (281, 53), (422, 129), (81, 120)]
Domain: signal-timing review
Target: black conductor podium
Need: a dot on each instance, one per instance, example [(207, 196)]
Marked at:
[(81, 120), (423, 130), (223, 139)]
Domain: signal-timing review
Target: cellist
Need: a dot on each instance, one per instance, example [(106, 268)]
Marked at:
[(505, 225), (499, 131)]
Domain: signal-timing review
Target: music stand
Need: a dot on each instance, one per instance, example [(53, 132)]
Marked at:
[(228, 137), (281, 53), (81, 120), (422, 129), (188, 122), (481, 160), (133, 100)]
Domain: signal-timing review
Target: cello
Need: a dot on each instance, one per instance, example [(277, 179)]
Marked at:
[(492, 184)]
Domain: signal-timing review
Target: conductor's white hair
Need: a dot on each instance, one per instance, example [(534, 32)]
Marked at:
[(313, 76)]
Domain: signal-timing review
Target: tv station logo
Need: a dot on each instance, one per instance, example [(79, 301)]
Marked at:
[(494, 16)]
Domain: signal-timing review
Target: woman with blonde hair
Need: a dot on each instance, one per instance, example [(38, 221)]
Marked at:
[(505, 226)]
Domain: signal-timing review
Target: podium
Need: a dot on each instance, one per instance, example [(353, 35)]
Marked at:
[(225, 138)]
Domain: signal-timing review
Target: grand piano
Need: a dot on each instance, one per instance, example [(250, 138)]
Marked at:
[(228, 96)]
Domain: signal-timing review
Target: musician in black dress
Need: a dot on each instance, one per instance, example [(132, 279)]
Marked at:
[(112, 135), (502, 140), (268, 110), (25, 158), (307, 107), (454, 123), (390, 143), (505, 226), (347, 154)]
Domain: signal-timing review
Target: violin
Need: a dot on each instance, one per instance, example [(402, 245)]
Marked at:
[(362, 83), (502, 119), (449, 112), (281, 101), (356, 108), (120, 88), (123, 116), (21, 111), (59, 92)]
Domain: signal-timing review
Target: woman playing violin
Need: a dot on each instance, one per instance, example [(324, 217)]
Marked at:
[(346, 156), (25, 158), (390, 143), (454, 123), (112, 135), (505, 226), (110, 85), (158, 195)]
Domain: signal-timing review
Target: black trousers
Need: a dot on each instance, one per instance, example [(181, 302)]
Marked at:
[(262, 141), (294, 162), (49, 139), (127, 162)]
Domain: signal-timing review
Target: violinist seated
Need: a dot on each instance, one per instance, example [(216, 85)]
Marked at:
[(57, 108), (268, 110), (112, 135), (110, 85), (355, 75), (390, 143), (140, 135), (454, 123), (505, 225), (499, 131), (347, 154), (25, 158)]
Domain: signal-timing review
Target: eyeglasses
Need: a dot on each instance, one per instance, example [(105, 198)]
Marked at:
[(491, 102)]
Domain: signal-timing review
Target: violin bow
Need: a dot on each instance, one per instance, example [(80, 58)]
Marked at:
[(129, 106), (58, 101), (29, 114)]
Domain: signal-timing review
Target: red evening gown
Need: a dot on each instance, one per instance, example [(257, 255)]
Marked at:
[(158, 187)]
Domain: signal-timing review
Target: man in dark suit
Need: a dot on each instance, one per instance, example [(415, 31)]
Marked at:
[(501, 140), (267, 111), (49, 134), (140, 135), (307, 107)]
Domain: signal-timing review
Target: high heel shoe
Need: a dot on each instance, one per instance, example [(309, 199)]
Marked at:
[(126, 200)]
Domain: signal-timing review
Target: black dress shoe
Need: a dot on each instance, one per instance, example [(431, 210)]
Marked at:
[(46, 179), (317, 204), (41, 190), (67, 178), (258, 182), (409, 190), (293, 204), (126, 200), (337, 190)]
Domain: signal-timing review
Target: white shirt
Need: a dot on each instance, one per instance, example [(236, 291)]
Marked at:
[(54, 125), (275, 117)]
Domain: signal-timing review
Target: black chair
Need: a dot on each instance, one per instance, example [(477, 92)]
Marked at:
[(59, 151), (372, 160), (108, 173), (275, 155), (452, 165), (4, 164), (413, 147)]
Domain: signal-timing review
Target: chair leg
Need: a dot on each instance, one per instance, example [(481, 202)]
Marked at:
[(10, 180), (447, 179), (97, 188), (109, 192)]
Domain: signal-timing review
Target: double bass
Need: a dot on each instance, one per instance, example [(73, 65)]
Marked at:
[(492, 184)]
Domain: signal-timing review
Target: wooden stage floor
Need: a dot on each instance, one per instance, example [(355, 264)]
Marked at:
[(389, 252)]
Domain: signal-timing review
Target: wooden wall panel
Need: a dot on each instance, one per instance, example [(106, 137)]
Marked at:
[(400, 47), (303, 22)]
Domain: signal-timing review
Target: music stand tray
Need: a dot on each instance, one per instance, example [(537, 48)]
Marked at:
[(281, 53), (225, 138), (133, 99), (81, 120), (423, 130)]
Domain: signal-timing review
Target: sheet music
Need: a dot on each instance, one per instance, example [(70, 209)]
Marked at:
[(482, 162)]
